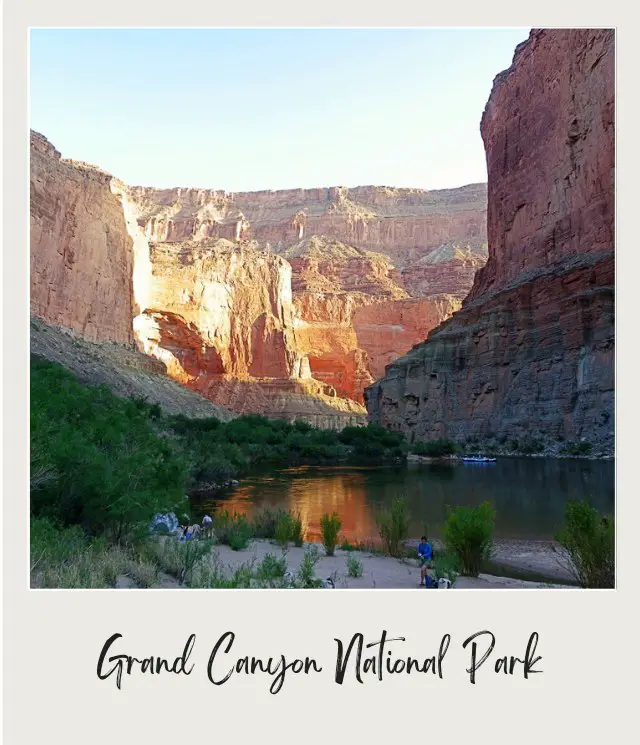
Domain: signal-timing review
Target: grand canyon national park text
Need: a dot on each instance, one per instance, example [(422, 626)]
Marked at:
[(357, 658)]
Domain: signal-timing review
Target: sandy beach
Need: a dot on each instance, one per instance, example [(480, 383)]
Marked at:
[(385, 572)]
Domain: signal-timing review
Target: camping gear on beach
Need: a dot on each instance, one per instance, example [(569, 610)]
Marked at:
[(164, 524)]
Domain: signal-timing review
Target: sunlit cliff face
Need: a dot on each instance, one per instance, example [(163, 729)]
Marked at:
[(259, 288)]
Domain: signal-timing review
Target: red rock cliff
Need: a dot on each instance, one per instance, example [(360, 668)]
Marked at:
[(81, 252), (532, 350), (254, 300)]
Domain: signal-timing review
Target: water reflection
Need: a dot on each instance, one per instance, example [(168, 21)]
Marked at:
[(529, 495)]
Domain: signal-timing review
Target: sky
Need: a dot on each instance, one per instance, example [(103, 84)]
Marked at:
[(253, 109)]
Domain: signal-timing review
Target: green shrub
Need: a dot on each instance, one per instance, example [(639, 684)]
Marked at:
[(577, 448), (531, 445), (435, 448), (393, 526), (468, 535), (297, 530), (232, 529), (50, 543), (67, 558), (107, 468), (446, 566), (284, 529), (346, 546), (330, 526), (211, 576), (272, 568), (177, 558), (306, 575), (240, 535), (587, 542), (354, 566), (264, 522)]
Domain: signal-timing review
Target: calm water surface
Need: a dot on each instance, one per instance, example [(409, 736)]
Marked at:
[(529, 494)]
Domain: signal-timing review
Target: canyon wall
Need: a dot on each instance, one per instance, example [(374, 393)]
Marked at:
[(81, 257), (347, 248), (531, 352), (403, 224), (259, 301)]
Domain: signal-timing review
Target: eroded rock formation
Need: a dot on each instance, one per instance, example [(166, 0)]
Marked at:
[(260, 301), (81, 258), (532, 349)]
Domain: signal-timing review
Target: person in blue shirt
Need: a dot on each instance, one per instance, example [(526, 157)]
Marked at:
[(425, 554)]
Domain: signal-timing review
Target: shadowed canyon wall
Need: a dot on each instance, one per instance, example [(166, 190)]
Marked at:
[(532, 349)]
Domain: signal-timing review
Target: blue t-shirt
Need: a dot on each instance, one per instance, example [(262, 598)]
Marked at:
[(424, 551)]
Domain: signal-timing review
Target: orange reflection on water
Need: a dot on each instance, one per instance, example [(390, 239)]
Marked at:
[(311, 496)]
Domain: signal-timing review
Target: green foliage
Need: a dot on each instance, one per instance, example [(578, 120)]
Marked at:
[(177, 558), (446, 566), (67, 558), (233, 530), (468, 535), (306, 575), (435, 448), (49, 542), (577, 448), (264, 523), (346, 546), (108, 470), (330, 526), (354, 566), (373, 444), (393, 526), (588, 544), (531, 445), (212, 576), (284, 529), (297, 530), (271, 568)]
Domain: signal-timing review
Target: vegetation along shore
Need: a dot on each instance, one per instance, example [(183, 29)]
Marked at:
[(103, 466)]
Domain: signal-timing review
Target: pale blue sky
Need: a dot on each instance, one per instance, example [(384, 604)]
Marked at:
[(248, 109)]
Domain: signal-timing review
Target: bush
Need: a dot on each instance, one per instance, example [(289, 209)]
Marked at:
[(211, 576), (468, 535), (346, 546), (330, 526), (446, 566), (354, 566), (284, 529), (306, 576), (297, 530), (435, 448), (233, 530), (264, 523), (177, 558), (272, 568), (531, 445), (106, 467), (68, 558), (587, 542), (393, 526), (577, 448)]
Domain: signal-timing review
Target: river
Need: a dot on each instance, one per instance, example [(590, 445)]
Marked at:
[(528, 494)]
